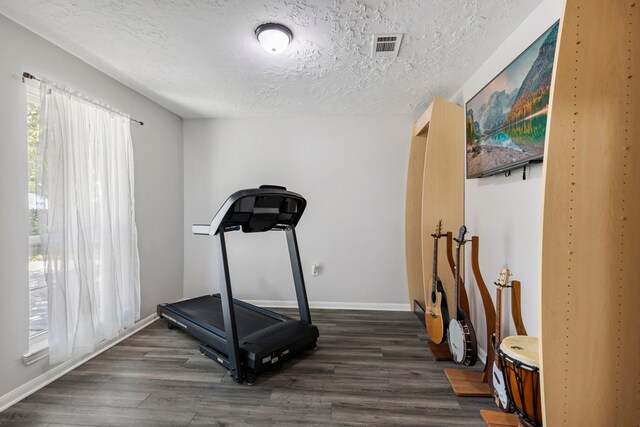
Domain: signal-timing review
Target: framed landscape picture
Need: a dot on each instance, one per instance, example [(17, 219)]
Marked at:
[(506, 121)]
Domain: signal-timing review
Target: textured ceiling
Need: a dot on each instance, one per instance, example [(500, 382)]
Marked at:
[(200, 58)]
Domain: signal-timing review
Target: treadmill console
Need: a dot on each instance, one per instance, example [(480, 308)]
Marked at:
[(255, 210)]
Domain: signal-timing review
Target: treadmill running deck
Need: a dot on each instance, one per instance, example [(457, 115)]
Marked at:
[(206, 311)]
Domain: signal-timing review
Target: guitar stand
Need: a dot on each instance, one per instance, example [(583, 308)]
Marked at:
[(467, 383), (516, 308), (464, 301), (497, 418), (440, 351)]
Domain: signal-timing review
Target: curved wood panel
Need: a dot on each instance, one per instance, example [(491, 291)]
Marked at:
[(590, 321), (413, 220), (487, 302), (443, 186), (516, 308)]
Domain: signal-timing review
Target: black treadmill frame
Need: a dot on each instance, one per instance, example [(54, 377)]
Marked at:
[(230, 341), (226, 295)]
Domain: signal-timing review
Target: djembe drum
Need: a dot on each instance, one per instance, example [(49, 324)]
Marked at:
[(519, 358)]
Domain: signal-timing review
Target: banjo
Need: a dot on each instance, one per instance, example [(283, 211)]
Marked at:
[(461, 335)]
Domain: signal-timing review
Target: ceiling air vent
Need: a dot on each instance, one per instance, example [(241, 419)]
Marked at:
[(386, 45)]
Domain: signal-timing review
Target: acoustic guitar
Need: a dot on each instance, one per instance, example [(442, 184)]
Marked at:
[(437, 313), (462, 337), (496, 379)]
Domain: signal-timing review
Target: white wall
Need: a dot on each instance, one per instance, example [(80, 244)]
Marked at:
[(351, 170), (158, 187), (505, 212)]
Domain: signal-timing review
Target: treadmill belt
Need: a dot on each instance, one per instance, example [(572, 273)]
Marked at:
[(207, 312)]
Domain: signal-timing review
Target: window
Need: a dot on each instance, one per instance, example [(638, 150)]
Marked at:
[(85, 167), (38, 318)]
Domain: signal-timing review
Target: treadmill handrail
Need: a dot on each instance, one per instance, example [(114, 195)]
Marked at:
[(214, 227)]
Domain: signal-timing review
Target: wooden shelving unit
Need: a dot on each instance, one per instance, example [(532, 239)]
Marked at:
[(589, 317), (590, 321), (435, 190), (443, 186), (413, 215)]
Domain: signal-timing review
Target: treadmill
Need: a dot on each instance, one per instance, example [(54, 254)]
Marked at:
[(242, 337)]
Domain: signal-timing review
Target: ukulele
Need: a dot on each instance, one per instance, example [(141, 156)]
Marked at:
[(496, 379), (462, 336), (437, 314)]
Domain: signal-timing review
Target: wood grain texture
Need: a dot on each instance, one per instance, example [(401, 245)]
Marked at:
[(516, 307), (487, 303), (499, 419), (422, 124), (443, 186), (372, 368), (591, 220), (467, 383), (440, 351), (413, 220), (435, 320)]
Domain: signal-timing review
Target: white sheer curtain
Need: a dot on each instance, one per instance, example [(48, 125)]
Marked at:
[(88, 231)]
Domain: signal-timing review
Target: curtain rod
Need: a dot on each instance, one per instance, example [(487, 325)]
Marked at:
[(30, 76)]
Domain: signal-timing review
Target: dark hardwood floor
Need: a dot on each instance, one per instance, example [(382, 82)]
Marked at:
[(372, 368)]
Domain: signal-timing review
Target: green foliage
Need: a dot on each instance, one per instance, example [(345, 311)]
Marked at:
[(529, 134), (33, 135), (472, 136), (471, 132), (534, 92), (529, 103), (34, 228)]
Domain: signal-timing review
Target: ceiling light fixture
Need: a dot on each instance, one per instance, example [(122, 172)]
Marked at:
[(274, 38)]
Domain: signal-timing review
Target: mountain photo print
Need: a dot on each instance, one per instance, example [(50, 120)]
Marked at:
[(506, 121)]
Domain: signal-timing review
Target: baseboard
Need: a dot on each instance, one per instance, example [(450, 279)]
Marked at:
[(56, 372), (334, 305), (482, 355)]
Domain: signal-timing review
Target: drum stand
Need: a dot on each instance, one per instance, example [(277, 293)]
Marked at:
[(467, 383)]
